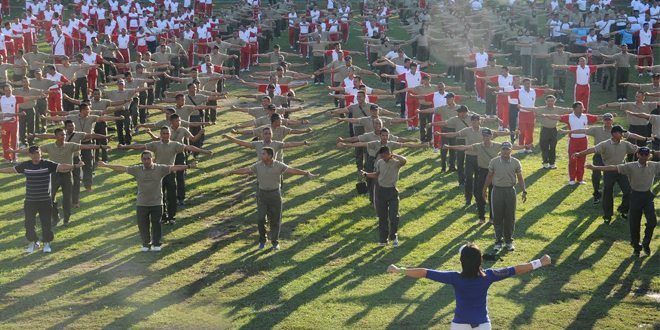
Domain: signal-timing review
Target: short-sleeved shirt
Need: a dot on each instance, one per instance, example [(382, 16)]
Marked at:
[(368, 122), (458, 123), (646, 108), (37, 179), (279, 133), (622, 60), (600, 133), (374, 146), (545, 121), (179, 134), (388, 172), (62, 154), (614, 153), (357, 112), (471, 293), (185, 111), (447, 112), (149, 183), (85, 125), (269, 177), (485, 154), (471, 136), (165, 152), (372, 136), (641, 178), (276, 145), (504, 171)]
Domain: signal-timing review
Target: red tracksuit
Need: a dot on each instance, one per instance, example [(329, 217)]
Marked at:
[(10, 125), (577, 143)]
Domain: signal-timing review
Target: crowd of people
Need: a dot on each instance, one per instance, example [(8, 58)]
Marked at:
[(109, 64)]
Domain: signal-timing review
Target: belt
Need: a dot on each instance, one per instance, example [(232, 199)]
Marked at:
[(508, 187), (640, 192), (269, 190)]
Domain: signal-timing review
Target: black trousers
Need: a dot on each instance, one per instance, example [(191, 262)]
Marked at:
[(622, 76), (180, 177), (444, 152), (317, 63), (387, 208), (548, 144), (31, 208), (526, 63), (641, 202), (369, 167), (123, 126), (101, 154), (41, 109), (197, 118), (75, 188), (87, 156), (169, 197), (26, 126), (482, 173), (513, 120), (109, 70), (425, 133), (541, 70), (62, 180), (471, 170), (491, 104), (596, 175), (360, 153), (608, 78), (80, 90), (68, 90), (148, 221), (609, 179), (269, 208)]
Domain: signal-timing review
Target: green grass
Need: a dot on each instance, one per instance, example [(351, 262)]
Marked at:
[(329, 274)]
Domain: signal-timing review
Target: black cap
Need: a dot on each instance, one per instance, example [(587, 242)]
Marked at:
[(373, 107), (462, 108), (450, 94), (617, 129), (506, 145), (644, 150), (486, 131), (33, 149), (475, 117)]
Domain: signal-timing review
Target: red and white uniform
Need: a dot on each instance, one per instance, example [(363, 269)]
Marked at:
[(505, 84), (352, 98), (55, 92), (526, 120), (122, 43), (292, 17), (92, 74), (209, 68), (254, 44), (9, 106), (481, 60), (279, 89), (577, 143), (245, 49), (412, 104), (645, 48), (582, 89), (438, 99), (141, 41)]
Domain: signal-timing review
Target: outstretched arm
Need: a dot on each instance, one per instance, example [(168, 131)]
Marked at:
[(116, 168)]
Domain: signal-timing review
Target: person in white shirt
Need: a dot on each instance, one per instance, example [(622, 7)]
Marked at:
[(645, 50)]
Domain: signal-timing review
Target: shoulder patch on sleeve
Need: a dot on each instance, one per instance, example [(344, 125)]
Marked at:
[(502, 272)]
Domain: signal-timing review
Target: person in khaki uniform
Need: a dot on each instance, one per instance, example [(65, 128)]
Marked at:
[(641, 175), (613, 152), (269, 195), (166, 151), (502, 174), (483, 151), (636, 124), (61, 152), (548, 137), (387, 195), (267, 141), (149, 177)]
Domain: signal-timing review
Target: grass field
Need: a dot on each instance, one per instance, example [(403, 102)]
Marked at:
[(329, 273)]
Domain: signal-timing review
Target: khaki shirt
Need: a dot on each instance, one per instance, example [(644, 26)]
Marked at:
[(622, 60), (646, 108), (447, 112), (600, 133), (372, 136), (22, 70), (276, 145), (614, 153), (504, 171), (485, 154), (359, 112), (471, 136), (548, 122), (86, 124), (388, 172), (655, 125), (62, 154), (165, 152), (149, 183), (368, 122), (458, 124), (279, 133), (641, 178), (186, 111), (30, 92), (75, 137), (374, 146), (31, 58), (179, 134), (269, 177), (649, 88)]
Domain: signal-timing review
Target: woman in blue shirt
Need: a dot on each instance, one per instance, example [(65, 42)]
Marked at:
[(471, 285)]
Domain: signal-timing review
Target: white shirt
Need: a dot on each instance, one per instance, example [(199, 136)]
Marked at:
[(481, 60), (582, 75), (122, 41), (8, 106), (439, 99), (58, 44), (505, 83), (645, 37), (527, 98), (575, 122), (413, 80)]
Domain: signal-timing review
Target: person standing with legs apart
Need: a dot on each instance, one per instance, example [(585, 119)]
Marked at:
[(37, 173), (641, 175), (387, 195), (269, 195), (583, 72), (471, 285), (502, 174), (149, 177), (613, 152)]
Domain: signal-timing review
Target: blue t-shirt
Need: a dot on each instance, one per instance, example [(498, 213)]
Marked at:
[(626, 37), (580, 32), (471, 293)]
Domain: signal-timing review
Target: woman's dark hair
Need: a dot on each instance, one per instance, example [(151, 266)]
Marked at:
[(471, 261)]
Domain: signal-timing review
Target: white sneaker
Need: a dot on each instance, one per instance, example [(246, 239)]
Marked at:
[(436, 150), (47, 248), (546, 165), (528, 151), (156, 248), (553, 166), (144, 249), (571, 183), (382, 244), (510, 247), (582, 182), (33, 246), (520, 152), (497, 247), (410, 128)]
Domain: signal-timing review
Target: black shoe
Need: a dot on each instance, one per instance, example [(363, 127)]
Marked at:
[(607, 220), (596, 200), (55, 220), (623, 215), (443, 170), (452, 169), (647, 249), (636, 253), (637, 249)]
